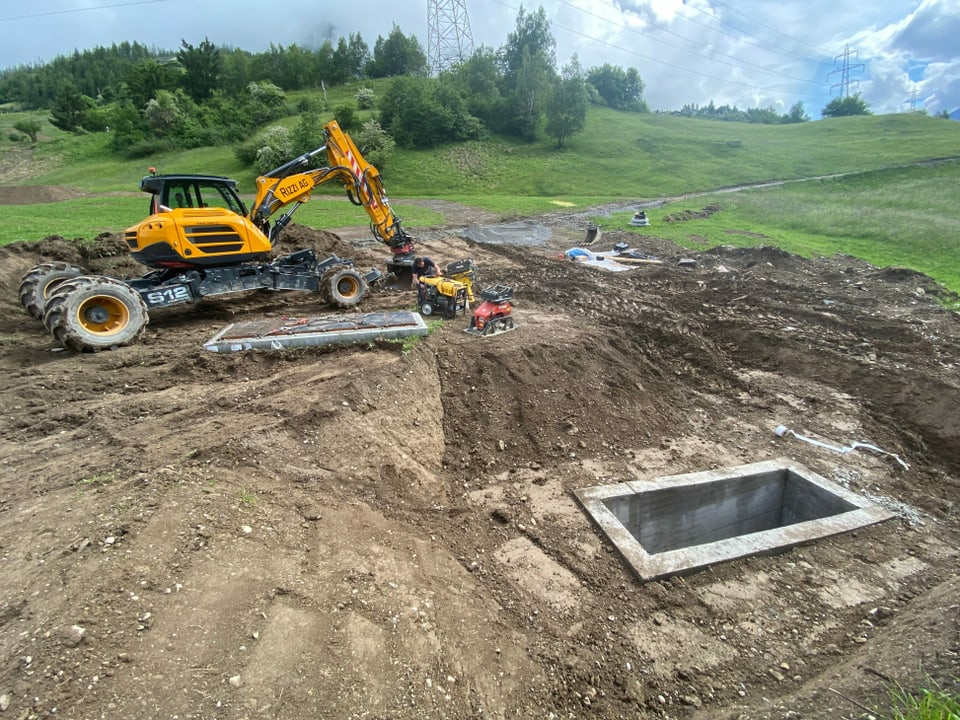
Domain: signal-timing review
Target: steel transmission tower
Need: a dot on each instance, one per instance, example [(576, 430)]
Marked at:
[(844, 70), (448, 33)]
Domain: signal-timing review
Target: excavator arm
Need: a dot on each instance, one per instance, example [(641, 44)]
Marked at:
[(362, 183), (292, 184)]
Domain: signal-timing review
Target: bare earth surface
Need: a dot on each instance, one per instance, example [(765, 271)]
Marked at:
[(357, 532)]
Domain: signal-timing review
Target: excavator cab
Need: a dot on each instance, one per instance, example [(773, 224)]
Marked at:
[(170, 192), (195, 221)]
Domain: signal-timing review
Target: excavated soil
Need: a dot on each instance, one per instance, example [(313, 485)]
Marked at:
[(363, 532)]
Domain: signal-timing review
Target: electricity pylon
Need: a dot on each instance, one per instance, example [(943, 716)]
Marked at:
[(448, 34), (844, 70)]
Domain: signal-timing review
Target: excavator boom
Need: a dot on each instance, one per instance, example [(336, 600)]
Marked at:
[(365, 188), (292, 184)]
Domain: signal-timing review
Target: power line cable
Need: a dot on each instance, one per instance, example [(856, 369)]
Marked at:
[(739, 63), (755, 40), (84, 9), (673, 66), (819, 51)]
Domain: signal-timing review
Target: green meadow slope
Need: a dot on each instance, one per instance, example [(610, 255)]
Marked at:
[(893, 204)]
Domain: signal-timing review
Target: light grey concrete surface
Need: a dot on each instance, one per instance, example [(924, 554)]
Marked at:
[(280, 333), (680, 523)]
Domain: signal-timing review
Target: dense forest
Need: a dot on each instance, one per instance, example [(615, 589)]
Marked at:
[(150, 100)]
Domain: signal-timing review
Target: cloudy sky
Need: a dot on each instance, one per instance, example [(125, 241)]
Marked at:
[(899, 54)]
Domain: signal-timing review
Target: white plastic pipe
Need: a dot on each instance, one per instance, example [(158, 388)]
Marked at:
[(782, 430)]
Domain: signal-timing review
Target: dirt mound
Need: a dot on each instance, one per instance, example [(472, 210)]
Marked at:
[(685, 215), (297, 237), (366, 531), (77, 251), (29, 195)]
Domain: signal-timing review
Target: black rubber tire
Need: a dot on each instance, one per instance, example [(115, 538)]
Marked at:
[(343, 287), (40, 281), (426, 309), (450, 312), (90, 314)]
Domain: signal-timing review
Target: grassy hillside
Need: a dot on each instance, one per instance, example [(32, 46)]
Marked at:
[(890, 212), (619, 155), (623, 155), (89, 217), (902, 217)]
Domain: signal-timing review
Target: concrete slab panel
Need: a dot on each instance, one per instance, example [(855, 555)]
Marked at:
[(677, 524), (280, 333)]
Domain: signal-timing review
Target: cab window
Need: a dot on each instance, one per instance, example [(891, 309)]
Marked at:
[(218, 195), (176, 195)]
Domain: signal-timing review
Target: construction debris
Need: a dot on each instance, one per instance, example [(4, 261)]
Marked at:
[(620, 258)]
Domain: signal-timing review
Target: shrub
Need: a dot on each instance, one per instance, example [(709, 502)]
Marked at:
[(162, 112), (29, 127), (345, 117), (308, 133), (311, 104), (96, 120), (247, 152), (276, 148), (365, 98), (145, 148), (374, 143), (420, 113), (267, 94)]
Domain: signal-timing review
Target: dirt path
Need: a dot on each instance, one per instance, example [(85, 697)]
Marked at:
[(361, 533)]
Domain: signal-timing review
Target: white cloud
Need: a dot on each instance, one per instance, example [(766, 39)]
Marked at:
[(891, 84), (740, 52), (914, 60), (932, 32), (939, 88)]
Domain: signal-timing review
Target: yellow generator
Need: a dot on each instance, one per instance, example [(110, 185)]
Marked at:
[(466, 272), (449, 294), (442, 296)]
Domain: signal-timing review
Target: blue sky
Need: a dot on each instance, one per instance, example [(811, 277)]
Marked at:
[(749, 53)]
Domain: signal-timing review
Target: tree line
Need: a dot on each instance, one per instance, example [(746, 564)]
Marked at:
[(151, 100), (204, 95), (767, 116)]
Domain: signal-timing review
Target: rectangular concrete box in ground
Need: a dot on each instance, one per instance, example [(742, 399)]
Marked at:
[(680, 523), (280, 333)]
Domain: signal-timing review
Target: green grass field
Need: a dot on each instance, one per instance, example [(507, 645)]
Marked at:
[(891, 211), (88, 217), (905, 217)]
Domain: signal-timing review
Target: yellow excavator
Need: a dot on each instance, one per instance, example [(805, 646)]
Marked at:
[(201, 241)]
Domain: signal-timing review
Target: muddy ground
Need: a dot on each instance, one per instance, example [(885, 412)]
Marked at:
[(363, 532)]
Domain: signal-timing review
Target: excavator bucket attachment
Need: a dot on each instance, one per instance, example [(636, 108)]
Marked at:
[(593, 234), (401, 272)]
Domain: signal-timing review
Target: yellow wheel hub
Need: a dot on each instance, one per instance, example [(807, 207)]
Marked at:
[(103, 315), (348, 286)]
